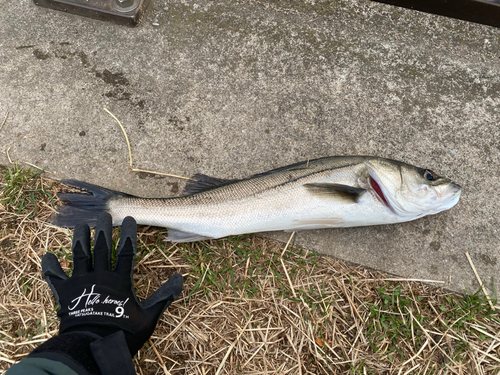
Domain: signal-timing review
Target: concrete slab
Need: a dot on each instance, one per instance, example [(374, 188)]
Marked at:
[(232, 88)]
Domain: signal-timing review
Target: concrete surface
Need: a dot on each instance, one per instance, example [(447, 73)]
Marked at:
[(232, 88)]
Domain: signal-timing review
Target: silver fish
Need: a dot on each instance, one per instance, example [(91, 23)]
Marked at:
[(332, 192)]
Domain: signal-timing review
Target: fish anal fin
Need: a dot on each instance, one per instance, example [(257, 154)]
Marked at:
[(348, 194), (175, 235), (203, 183), (317, 223)]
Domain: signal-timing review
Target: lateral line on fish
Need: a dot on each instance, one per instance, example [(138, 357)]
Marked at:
[(300, 178)]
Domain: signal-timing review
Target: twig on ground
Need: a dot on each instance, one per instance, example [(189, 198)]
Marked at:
[(8, 156), (397, 279), (131, 167), (284, 267), (162, 364), (125, 134), (4, 120), (479, 280), (232, 346)]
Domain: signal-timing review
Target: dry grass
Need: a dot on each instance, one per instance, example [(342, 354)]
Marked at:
[(248, 306)]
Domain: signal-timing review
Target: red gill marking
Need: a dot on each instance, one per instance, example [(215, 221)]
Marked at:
[(375, 186)]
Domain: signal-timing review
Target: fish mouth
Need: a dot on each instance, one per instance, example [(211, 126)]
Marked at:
[(455, 188), (453, 192), (379, 192)]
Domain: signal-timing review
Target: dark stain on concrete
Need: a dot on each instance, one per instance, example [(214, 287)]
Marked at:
[(174, 187), (115, 79), (435, 245), (179, 123), (40, 55), (486, 259), (119, 94), (145, 175), (84, 59), (141, 104), (118, 79), (60, 54)]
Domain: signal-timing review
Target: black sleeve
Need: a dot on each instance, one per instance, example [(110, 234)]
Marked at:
[(40, 366), (85, 354)]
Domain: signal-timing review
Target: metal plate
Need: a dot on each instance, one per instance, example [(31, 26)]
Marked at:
[(125, 12)]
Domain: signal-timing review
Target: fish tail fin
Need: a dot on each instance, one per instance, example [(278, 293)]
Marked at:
[(83, 207)]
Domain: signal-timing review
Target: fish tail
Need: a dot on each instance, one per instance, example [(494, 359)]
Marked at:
[(83, 207)]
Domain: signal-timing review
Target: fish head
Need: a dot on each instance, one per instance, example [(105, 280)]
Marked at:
[(411, 192)]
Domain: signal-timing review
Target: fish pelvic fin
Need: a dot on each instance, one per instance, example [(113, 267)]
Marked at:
[(175, 235), (83, 207), (345, 193), (317, 223)]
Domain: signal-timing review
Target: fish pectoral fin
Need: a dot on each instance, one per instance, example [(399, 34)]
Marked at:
[(175, 235), (203, 182), (345, 193), (319, 223)]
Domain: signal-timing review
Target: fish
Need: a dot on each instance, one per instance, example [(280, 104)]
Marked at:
[(329, 192)]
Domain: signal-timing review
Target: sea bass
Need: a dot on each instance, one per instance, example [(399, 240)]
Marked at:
[(331, 192)]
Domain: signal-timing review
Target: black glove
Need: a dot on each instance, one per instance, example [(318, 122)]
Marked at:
[(100, 300)]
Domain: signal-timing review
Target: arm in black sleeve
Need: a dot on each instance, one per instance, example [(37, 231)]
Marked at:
[(78, 353)]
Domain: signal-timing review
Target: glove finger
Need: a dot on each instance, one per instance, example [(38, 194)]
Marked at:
[(82, 259), (53, 273), (52, 268), (102, 244), (164, 296), (127, 247)]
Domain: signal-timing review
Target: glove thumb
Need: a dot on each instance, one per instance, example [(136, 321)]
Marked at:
[(164, 296), (53, 273)]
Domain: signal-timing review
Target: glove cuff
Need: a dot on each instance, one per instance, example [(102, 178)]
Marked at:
[(89, 354), (72, 349), (97, 329)]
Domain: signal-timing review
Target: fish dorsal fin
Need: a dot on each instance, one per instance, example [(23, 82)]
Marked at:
[(347, 194), (292, 167), (203, 182)]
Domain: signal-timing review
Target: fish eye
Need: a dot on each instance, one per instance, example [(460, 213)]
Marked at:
[(429, 175)]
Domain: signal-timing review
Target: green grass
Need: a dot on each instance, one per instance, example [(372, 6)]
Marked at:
[(220, 266), (23, 191), (390, 322)]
